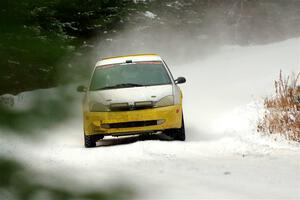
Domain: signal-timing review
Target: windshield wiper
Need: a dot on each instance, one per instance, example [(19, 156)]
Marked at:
[(123, 85), (129, 85)]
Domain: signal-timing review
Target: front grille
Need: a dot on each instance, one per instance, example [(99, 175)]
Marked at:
[(136, 106), (131, 124)]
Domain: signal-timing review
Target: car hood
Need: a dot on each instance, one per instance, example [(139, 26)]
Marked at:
[(130, 95)]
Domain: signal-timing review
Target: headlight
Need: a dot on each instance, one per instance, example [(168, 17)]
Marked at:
[(98, 107), (165, 101)]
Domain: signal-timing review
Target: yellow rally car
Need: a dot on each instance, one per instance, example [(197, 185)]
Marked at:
[(133, 94)]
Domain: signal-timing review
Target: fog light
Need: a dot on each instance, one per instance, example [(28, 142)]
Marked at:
[(161, 121), (105, 126)]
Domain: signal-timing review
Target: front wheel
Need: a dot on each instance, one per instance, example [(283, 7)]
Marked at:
[(177, 133), (90, 140)]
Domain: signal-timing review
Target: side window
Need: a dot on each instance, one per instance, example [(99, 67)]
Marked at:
[(168, 70)]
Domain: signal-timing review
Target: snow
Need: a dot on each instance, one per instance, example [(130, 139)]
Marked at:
[(223, 158), (150, 15)]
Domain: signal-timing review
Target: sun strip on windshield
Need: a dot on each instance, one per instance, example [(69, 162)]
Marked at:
[(140, 62)]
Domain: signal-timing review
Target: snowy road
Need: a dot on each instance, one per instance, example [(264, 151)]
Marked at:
[(222, 168), (223, 157)]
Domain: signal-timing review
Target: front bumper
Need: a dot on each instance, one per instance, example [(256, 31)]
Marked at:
[(110, 123)]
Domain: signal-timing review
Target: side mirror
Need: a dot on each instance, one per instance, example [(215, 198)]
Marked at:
[(81, 88), (180, 80)]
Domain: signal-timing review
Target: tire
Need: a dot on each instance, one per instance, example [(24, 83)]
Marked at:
[(177, 133), (90, 140)]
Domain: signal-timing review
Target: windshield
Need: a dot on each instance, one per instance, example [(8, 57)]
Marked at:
[(130, 75)]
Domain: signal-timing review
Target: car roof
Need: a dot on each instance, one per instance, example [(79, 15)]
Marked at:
[(133, 57)]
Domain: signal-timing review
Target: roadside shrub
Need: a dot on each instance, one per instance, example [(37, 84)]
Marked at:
[(282, 114)]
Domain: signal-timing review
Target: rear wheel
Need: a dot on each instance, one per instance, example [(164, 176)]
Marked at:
[(177, 133), (90, 140)]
